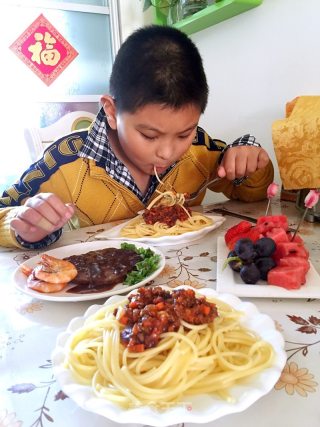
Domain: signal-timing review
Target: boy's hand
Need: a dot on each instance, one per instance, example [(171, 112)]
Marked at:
[(242, 161), (40, 216)]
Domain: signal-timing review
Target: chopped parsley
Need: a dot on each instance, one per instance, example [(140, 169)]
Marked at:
[(149, 263)]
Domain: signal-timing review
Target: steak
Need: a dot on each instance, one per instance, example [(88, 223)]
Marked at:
[(102, 269)]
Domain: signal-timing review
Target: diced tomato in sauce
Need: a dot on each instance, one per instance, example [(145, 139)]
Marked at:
[(152, 311), (165, 214)]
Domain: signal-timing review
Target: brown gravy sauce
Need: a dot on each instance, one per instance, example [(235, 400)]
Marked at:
[(101, 270)]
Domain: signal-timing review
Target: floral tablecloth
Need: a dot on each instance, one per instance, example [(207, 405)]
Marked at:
[(31, 397)]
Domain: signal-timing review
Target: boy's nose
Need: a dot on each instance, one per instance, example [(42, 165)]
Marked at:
[(164, 151)]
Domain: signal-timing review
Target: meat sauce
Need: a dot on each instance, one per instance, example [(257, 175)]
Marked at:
[(102, 269), (165, 214), (153, 311)]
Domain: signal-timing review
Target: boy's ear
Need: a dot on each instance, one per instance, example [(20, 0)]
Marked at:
[(109, 107)]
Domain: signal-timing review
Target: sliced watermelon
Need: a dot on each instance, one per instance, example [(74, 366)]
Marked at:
[(243, 230), (236, 232), (293, 261), (287, 277), (270, 221), (277, 234), (291, 249), (261, 229), (254, 234)]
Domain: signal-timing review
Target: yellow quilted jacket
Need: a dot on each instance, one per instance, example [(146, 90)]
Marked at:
[(99, 199)]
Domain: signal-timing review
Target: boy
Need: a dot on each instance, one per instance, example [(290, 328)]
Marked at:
[(158, 90)]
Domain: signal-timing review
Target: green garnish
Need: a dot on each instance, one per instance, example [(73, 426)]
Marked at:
[(230, 259), (149, 263)]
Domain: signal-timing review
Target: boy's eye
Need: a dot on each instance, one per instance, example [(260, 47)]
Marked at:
[(185, 136), (149, 137), (154, 137)]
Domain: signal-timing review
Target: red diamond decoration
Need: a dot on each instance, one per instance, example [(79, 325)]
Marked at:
[(44, 50)]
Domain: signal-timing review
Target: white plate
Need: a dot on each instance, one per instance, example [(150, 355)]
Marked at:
[(200, 409), (20, 279), (230, 281), (114, 233)]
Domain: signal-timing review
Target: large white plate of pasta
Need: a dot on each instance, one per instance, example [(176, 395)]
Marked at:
[(163, 239), (77, 359)]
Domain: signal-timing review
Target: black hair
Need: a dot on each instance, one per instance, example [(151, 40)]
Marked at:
[(158, 65)]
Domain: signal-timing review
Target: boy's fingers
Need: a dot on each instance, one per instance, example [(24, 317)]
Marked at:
[(50, 208), (263, 159), (45, 225), (70, 207), (241, 167), (55, 203), (42, 218), (242, 161), (221, 171), (22, 227)]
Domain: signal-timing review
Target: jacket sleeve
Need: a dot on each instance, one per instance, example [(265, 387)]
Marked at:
[(37, 176), (15, 196), (7, 235)]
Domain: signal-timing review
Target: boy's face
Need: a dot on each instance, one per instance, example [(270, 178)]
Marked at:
[(156, 136)]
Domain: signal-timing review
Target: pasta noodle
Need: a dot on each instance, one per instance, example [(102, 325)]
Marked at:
[(196, 359), (139, 227)]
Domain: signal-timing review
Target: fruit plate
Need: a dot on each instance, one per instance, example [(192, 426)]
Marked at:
[(231, 282)]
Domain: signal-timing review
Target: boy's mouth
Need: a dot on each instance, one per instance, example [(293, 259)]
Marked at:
[(161, 169)]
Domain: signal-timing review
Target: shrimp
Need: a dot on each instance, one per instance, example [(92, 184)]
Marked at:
[(26, 270), (44, 287), (50, 275), (54, 270), (39, 285)]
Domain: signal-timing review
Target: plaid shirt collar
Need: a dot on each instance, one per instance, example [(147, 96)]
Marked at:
[(97, 147)]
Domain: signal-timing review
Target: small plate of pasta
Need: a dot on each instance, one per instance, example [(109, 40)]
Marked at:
[(167, 220), (196, 371), (196, 227)]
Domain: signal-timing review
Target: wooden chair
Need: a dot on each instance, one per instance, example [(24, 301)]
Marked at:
[(38, 139)]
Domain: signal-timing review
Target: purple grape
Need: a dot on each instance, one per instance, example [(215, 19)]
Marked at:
[(264, 265), (244, 248), (250, 274), (234, 264), (265, 247)]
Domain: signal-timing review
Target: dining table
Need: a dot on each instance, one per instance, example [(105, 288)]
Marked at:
[(32, 397)]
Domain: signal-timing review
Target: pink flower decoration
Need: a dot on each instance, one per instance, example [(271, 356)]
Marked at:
[(311, 199), (272, 190)]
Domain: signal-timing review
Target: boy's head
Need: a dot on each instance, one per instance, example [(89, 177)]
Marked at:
[(158, 65)]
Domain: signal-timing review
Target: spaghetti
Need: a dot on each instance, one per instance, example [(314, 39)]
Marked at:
[(166, 215), (191, 360)]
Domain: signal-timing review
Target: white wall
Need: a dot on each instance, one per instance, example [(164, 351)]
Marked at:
[(256, 62), (132, 17)]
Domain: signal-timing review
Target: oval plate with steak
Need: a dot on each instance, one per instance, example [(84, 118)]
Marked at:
[(103, 267)]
